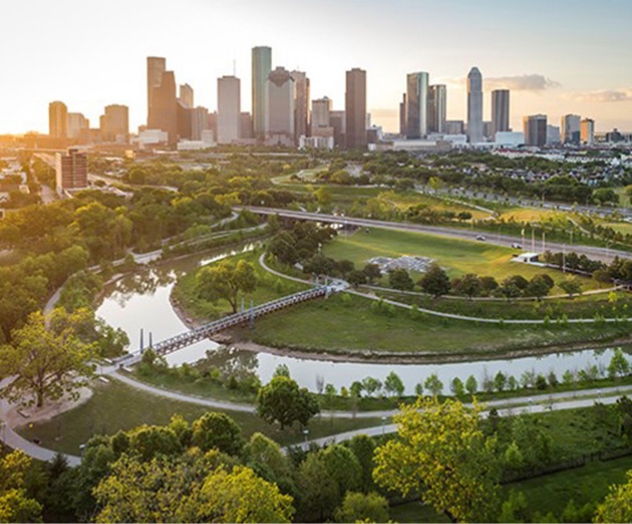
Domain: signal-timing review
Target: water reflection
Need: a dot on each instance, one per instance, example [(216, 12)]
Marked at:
[(142, 301)]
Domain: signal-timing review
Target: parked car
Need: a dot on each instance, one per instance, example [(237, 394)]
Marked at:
[(481, 237)]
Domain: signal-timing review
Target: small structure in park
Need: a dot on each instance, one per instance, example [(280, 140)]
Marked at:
[(410, 263), (527, 258)]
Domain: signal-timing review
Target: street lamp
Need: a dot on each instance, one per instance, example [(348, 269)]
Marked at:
[(306, 432), (383, 425)]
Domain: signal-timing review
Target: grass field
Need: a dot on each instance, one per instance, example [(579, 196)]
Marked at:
[(352, 325), (550, 493), (531, 214), (116, 406), (620, 227), (457, 256)]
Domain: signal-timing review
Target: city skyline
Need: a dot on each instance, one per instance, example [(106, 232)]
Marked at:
[(572, 67)]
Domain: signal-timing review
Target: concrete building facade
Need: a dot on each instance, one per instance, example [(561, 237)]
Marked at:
[(279, 111), (57, 120), (71, 170), (261, 68), (475, 106), (228, 109), (115, 123), (164, 109), (186, 96), (355, 109)]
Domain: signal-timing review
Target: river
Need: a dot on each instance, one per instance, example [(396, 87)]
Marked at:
[(141, 301)]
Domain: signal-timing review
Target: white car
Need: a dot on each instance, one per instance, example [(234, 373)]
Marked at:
[(481, 237)]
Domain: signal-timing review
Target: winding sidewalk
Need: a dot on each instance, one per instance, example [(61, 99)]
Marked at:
[(432, 312)]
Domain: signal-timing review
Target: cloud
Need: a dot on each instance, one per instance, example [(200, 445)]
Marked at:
[(604, 95), (532, 82)]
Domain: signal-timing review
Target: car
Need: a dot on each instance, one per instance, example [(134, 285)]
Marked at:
[(516, 245), (481, 237)]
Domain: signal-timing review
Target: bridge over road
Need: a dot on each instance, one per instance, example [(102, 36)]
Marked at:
[(183, 340)]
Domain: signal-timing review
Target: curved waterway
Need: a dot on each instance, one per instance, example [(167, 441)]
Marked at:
[(142, 301)]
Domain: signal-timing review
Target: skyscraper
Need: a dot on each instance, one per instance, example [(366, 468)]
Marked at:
[(534, 129), (199, 122), (228, 109), (301, 104), (475, 106), (77, 124), (156, 66), (261, 67), (402, 116), (280, 108), (355, 109), (57, 120), (416, 105), (320, 123), (164, 109), (115, 123), (500, 111), (587, 131), (570, 129), (437, 107), (186, 96)]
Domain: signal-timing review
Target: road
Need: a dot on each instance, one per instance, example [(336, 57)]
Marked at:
[(595, 253)]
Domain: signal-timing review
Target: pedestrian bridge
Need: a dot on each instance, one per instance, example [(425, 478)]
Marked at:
[(169, 345)]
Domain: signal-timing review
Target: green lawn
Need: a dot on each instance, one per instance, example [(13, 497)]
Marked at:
[(352, 325), (457, 256), (116, 406)]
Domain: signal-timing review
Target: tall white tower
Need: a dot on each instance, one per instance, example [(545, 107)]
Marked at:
[(475, 106)]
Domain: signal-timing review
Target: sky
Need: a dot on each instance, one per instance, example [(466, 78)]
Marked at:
[(556, 56)]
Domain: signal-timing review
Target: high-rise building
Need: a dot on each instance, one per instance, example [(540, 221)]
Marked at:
[(320, 124), (475, 106), (164, 110), (71, 170), (534, 129), (553, 136), (437, 108), (338, 122), (115, 123), (402, 116), (587, 131), (261, 68), (455, 127), (570, 129), (301, 104), (156, 66), (245, 126), (417, 105), (184, 123), (199, 122), (186, 96), (280, 108), (228, 109), (500, 111), (355, 109), (77, 125), (57, 120)]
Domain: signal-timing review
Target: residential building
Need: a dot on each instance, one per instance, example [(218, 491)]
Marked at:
[(587, 131), (228, 109), (475, 106), (156, 66), (437, 108), (534, 129), (57, 120), (417, 105), (71, 170), (261, 68), (570, 129), (500, 111), (355, 109)]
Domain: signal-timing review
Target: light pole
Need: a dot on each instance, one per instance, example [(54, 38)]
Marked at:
[(383, 425), (305, 433)]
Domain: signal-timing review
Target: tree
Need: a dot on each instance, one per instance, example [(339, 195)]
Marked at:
[(441, 451), (360, 507), (538, 287), (372, 272), (515, 508), (282, 401), (356, 278), (227, 280), (363, 447), (219, 431), (393, 385), (619, 365), (316, 498), (571, 286), (433, 385), (471, 385), (343, 469), (15, 504), (400, 279), (468, 285), (47, 362), (371, 385), (500, 381), (435, 282), (457, 387), (265, 457), (617, 506)]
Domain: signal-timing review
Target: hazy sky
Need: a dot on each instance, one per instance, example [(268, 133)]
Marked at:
[(557, 56)]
